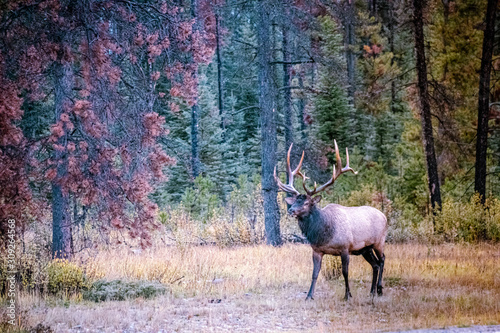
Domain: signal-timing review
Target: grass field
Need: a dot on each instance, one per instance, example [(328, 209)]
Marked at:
[(262, 289)]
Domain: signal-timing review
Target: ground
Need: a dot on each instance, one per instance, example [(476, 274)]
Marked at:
[(263, 289)]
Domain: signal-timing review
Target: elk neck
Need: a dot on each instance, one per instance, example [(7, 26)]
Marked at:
[(315, 227)]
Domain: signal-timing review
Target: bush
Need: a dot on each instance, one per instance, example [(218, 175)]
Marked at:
[(369, 196), (406, 223), (470, 221), (31, 260), (226, 233), (65, 276), (118, 290)]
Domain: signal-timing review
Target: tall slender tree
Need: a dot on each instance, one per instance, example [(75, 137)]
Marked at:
[(425, 109), (267, 106), (287, 91), (350, 40), (61, 219), (195, 108), (220, 95), (483, 111)]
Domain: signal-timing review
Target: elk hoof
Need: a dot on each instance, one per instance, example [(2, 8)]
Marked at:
[(379, 290), (347, 296), (309, 297)]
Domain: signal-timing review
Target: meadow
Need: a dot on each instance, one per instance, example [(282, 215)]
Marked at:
[(258, 288)]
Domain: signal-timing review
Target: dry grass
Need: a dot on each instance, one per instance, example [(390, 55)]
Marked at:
[(262, 289)]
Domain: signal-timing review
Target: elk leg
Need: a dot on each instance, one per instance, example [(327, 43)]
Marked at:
[(345, 268), (317, 258), (381, 260), (370, 257)]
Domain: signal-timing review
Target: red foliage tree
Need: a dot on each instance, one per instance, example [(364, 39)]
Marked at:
[(98, 64)]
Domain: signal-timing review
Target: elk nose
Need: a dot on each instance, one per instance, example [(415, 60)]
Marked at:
[(291, 211)]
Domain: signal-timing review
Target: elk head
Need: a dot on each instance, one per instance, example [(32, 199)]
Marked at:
[(302, 204)]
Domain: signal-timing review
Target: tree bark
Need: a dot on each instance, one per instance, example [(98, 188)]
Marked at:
[(219, 73), (267, 105), (302, 109), (287, 92), (425, 109), (391, 45), (195, 109), (195, 155), (350, 38), (350, 57), (483, 110), (61, 217)]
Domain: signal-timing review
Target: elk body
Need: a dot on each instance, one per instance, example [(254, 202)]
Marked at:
[(335, 229)]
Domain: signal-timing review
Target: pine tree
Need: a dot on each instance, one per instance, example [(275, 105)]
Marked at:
[(333, 114)]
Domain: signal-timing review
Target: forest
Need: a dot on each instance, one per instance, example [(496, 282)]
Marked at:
[(139, 136)]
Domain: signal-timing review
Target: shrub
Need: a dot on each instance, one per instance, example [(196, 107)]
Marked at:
[(118, 290), (6, 327), (470, 221), (65, 276), (31, 259), (368, 195), (239, 231), (406, 223)]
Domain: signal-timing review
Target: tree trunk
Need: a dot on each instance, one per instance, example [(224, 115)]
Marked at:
[(391, 45), (195, 109), (268, 126), (351, 68), (483, 110), (219, 73), (287, 96), (195, 155), (446, 14), (373, 8), (287, 91), (425, 109), (61, 217), (302, 109), (350, 57)]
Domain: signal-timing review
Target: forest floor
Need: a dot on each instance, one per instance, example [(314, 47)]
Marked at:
[(262, 289)]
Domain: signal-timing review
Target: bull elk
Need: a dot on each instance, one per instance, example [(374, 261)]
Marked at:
[(335, 229)]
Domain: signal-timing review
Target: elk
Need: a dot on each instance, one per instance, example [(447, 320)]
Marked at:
[(335, 229)]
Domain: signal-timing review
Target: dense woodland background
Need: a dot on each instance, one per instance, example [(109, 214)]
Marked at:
[(122, 118)]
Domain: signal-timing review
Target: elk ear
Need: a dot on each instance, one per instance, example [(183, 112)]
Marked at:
[(316, 199), (290, 200)]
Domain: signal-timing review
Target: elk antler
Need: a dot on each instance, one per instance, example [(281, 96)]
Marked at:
[(336, 172), (291, 174)]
